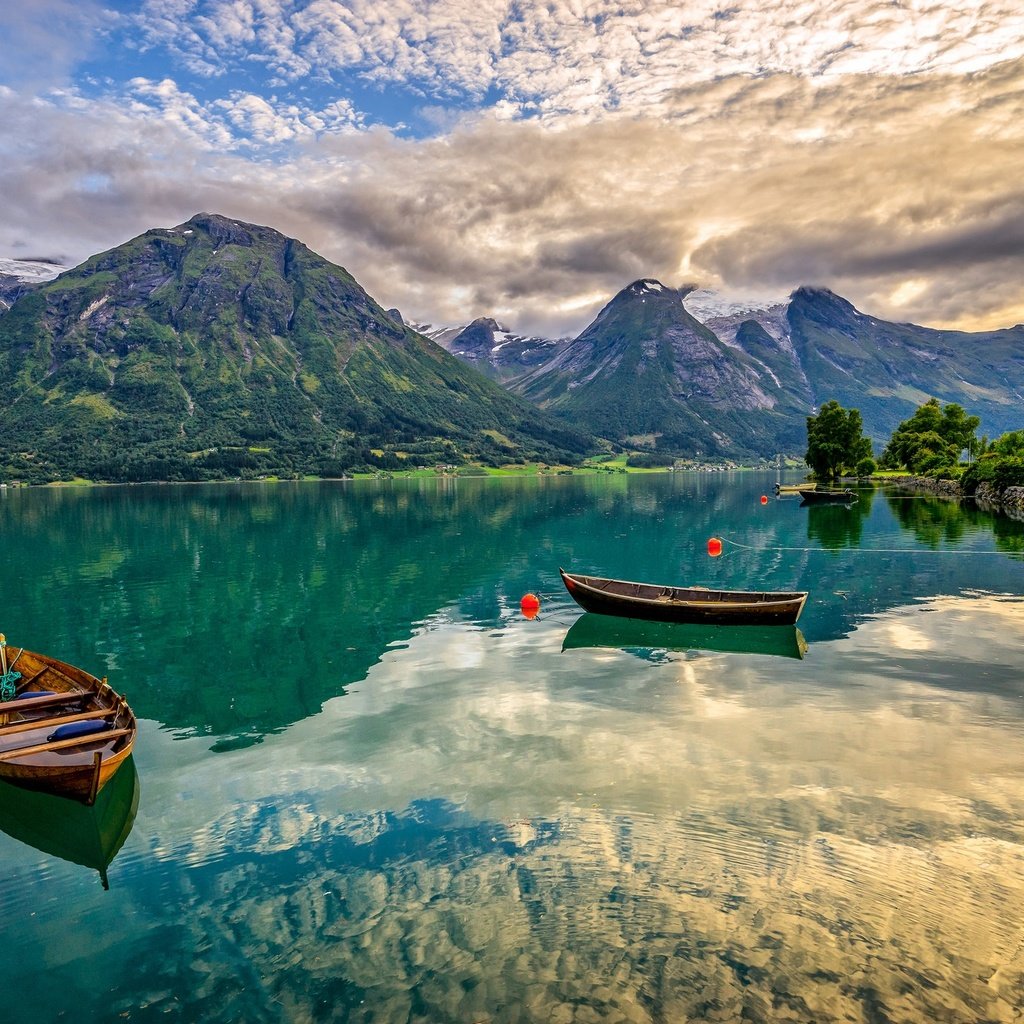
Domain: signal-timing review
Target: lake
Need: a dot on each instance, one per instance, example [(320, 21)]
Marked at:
[(366, 788)]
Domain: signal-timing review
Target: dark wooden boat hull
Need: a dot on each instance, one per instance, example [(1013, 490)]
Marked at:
[(687, 605), (78, 767)]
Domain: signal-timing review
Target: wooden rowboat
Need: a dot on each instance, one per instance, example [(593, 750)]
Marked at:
[(63, 731), (657, 603)]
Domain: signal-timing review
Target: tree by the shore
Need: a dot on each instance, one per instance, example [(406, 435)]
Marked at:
[(1002, 466), (835, 441), (931, 440)]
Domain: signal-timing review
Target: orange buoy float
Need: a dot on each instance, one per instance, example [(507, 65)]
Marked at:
[(530, 605), (764, 499), (714, 547)]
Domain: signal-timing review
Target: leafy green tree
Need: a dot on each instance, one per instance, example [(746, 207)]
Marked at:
[(932, 439), (835, 441), (957, 427), (1011, 444), (866, 467), (1002, 465)]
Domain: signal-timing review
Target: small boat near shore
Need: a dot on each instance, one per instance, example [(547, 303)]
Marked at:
[(62, 730), (657, 603)]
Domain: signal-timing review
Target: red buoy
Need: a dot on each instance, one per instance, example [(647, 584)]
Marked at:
[(714, 547), (530, 605), (764, 499)]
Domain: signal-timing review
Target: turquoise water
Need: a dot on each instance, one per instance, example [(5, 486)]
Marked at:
[(369, 789)]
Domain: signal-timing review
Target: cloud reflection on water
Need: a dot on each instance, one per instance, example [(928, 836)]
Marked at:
[(585, 835)]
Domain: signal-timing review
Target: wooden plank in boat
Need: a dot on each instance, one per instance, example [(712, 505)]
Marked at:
[(50, 700), (78, 741), (46, 723)]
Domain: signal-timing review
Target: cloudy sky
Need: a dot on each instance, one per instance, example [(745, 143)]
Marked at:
[(527, 159)]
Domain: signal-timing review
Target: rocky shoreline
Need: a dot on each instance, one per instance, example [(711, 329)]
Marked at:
[(1009, 501)]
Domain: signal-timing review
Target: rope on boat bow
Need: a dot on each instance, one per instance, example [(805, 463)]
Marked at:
[(8, 689)]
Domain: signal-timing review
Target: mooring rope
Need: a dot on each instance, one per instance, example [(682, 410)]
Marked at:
[(871, 551)]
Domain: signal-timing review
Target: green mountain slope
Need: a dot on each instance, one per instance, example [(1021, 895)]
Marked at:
[(219, 348), (646, 373), (888, 369)]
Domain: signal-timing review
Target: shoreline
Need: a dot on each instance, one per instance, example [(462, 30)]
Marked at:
[(1009, 502)]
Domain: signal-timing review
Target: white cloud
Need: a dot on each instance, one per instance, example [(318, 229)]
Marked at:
[(242, 120), (44, 39), (760, 148), (259, 121), (564, 58)]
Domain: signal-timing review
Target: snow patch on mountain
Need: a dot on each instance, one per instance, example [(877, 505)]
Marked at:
[(703, 305), (436, 332), (30, 271), (724, 314), (19, 276)]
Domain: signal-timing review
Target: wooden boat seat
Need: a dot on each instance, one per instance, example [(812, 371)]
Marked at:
[(57, 745), (24, 704), (28, 681), (46, 723)]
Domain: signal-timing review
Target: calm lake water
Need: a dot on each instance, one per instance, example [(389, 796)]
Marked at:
[(368, 789)]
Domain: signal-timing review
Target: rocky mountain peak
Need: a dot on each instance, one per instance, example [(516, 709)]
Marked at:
[(219, 348), (820, 305), (486, 323), (227, 231), (645, 286)]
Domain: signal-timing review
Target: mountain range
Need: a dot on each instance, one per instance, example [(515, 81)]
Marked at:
[(647, 374), (685, 371), (219, 348)]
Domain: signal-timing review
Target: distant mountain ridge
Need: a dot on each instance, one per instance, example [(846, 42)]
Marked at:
[(492, 348), (646, 373), (888, 369), (222, 348), (739, 378)]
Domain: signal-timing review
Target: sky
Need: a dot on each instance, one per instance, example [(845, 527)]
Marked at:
[(526, 160)]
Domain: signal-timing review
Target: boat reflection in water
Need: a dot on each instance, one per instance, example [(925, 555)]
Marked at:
[(826, 497), (647, 638), (86, 835)]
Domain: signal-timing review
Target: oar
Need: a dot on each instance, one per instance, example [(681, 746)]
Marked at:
[(3, 652)]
